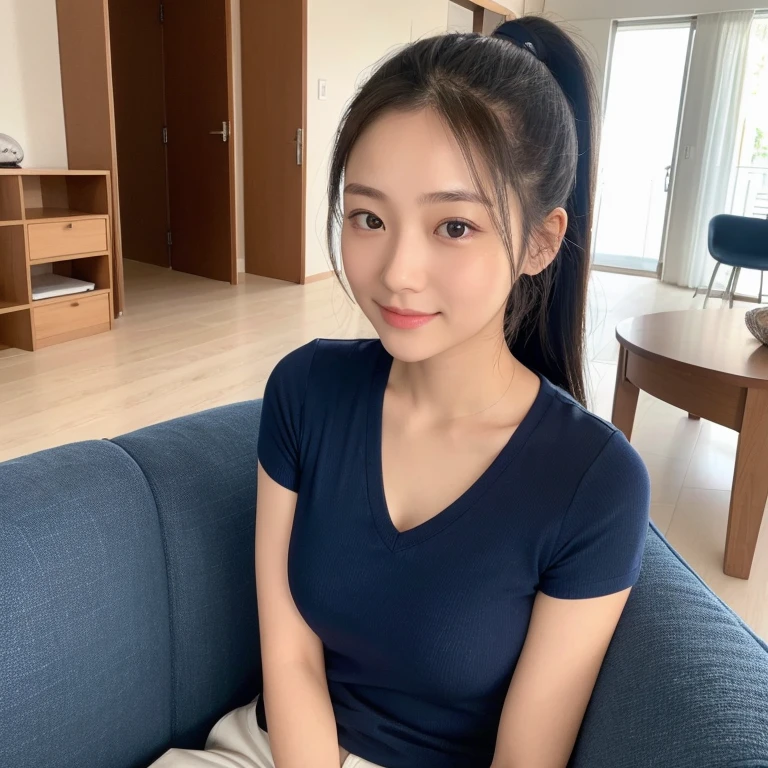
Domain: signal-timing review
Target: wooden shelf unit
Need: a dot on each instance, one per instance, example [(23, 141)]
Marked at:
[(58, 221), (11, 306), (65, 214)]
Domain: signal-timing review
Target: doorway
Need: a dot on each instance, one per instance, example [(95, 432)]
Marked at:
[(639, 143), (162, 51), (173, 104), (274, 104)]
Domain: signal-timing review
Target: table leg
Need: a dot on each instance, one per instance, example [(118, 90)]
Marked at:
[(750, 486), (624, 398)]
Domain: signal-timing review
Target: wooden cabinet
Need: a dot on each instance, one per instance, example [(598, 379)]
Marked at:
[(67, 238), (71, 317), (61, 222)]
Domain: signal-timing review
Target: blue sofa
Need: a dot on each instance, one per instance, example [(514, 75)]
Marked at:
[(128, 617)]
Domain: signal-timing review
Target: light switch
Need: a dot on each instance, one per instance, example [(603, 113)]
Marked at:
[(322, 89)]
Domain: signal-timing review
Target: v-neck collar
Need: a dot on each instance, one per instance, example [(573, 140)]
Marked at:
[(392, 537)]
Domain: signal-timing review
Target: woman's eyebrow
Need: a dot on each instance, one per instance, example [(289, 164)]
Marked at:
[(361, 189), (452, 196), (446, 196)]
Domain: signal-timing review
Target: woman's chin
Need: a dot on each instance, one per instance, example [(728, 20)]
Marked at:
[(408, 346)]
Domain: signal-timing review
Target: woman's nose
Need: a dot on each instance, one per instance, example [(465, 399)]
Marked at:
[(405, 266)]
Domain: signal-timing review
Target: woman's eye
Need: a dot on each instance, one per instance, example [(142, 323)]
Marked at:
[(455, 230), (367, 221)]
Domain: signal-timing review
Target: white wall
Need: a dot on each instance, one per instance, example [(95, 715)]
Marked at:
[(347, 37), (31, 108)]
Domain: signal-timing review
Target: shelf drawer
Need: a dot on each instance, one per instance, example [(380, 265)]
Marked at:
[(67, 238), (70, 319)]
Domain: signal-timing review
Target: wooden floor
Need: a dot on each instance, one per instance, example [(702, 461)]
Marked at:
[(186, 344)]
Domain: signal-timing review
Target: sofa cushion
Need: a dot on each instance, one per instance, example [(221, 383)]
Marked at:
[(684, 683), (202, 472), (84, 640)]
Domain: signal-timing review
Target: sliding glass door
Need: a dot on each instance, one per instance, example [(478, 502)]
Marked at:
[(749, 178), (648, 71), (749, 187)]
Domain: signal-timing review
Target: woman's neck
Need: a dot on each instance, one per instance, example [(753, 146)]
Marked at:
[(467, 380)]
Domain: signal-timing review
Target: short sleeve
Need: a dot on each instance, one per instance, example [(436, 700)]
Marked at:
[(599, 550), (282, 413)]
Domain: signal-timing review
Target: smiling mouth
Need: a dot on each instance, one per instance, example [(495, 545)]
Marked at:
[(405, 319)]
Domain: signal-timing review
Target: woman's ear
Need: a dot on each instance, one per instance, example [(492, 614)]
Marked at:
[(546, 242)]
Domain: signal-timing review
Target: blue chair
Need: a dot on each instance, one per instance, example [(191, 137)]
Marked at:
[(740, 242)]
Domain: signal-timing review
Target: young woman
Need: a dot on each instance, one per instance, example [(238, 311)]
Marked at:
[(445, 537)]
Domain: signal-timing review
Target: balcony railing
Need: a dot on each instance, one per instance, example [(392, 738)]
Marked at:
[(750, 191)]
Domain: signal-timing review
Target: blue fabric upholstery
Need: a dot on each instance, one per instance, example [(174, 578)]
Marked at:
[(684, 683), (202, 471), (128, 616), (84, 644)]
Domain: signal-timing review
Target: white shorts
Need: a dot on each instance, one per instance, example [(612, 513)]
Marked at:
[(236, 741)]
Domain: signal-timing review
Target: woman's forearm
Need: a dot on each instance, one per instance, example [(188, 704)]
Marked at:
[(302, 728)]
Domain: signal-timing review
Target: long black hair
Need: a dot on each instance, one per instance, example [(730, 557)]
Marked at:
[(522, 100)]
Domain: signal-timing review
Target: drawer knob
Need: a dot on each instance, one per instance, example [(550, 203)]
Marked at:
[(75, 304), (69, 226)]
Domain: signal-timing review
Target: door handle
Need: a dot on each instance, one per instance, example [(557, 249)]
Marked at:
[(299, 141), (224, 132), (667, 176)]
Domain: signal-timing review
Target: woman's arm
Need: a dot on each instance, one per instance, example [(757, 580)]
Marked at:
[(552, 684), (302, 728)]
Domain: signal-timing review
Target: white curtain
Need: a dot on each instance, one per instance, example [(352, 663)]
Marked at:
[(710, 128)]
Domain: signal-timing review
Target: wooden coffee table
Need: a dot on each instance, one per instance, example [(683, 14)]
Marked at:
[(707, 363)]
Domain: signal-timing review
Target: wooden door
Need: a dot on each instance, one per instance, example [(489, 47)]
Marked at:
[(89, 117), (274, 63), (137, 77), (198, 76)]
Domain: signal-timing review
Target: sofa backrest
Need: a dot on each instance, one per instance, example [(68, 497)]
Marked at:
[(202, 472), (128, 616), (85, 653), (127, 592)]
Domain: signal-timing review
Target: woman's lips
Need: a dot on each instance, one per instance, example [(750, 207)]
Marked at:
[(405, 319)]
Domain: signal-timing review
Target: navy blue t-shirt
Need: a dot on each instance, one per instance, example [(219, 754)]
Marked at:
[(422, 630)]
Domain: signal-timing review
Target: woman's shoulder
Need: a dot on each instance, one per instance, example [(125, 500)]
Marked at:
[(579, 432), (327, 359), (602, 530)]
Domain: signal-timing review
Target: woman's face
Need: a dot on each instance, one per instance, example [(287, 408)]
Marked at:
[(416, 239)]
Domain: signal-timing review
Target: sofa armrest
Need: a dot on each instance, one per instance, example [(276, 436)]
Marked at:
[(684, 683)]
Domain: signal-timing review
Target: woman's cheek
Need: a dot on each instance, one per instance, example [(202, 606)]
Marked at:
[(477, 283), (351, 261)]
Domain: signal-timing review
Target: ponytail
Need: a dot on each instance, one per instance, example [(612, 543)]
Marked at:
[(550, 337)]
